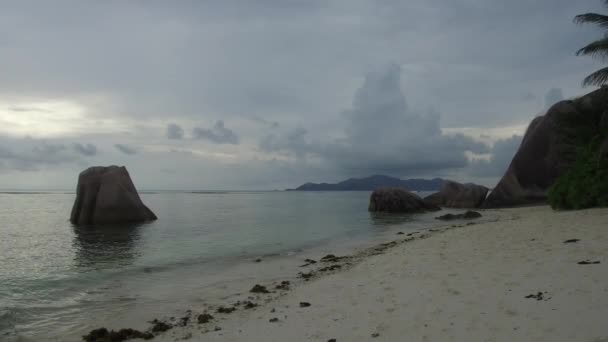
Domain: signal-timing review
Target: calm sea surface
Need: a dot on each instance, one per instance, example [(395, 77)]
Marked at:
[(60, 280)]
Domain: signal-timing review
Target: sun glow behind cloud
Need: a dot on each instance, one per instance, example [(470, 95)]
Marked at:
[(50, 119)]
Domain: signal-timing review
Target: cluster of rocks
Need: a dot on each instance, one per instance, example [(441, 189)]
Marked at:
[(451, 195)]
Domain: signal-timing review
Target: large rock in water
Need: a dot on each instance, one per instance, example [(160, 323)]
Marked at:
[(107, 195), (457, 195), (548, 149), (396, 200)]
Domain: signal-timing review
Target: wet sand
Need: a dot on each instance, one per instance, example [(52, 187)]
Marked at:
[(521, 278)]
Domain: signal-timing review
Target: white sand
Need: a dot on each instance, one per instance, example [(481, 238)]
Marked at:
[(463, 284)]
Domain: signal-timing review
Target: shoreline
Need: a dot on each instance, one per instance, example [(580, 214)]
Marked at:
[(510, 279), (289, 268)]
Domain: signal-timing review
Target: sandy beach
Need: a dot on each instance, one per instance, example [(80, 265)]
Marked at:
[(516, 279)]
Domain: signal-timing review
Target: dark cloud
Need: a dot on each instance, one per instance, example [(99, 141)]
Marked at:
[(126, 149), (87, 150), (553, 96), (501, 155), (382, 135), (219, 134), (255, 64), (175, 132), (32, 155)]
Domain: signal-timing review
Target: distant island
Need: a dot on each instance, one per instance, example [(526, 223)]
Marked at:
[(374, 182)]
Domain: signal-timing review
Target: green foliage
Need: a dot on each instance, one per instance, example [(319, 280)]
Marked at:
[(585, 185), (598, 48)]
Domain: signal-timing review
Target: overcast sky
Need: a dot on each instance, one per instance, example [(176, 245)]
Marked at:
[(271, 94)]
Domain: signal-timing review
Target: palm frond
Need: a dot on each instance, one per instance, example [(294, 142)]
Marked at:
[(597, 78), (592, 18), (598, 48)]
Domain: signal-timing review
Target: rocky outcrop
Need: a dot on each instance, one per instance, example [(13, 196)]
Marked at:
[(396, 200), (457, 195), (548, 149), (106, 195)]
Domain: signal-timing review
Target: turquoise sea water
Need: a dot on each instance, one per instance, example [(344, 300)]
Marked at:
[(59, 280)]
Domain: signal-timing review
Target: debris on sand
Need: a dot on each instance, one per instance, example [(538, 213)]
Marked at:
[(249, 305), (306, 276), (259, 289), (572, 240), (160, 326), (330, 268), (284, 285), (331, 258), (538, 296), (103, 335), (226, 310), (588, 262), (304, 304), (204, 318), (308, 262)]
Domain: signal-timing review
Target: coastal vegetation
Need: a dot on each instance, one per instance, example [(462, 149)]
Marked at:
[(585, 183)]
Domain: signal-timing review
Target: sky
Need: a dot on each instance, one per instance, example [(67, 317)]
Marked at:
[(268, 94)]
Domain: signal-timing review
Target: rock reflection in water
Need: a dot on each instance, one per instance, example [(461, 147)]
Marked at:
[(103, 247)]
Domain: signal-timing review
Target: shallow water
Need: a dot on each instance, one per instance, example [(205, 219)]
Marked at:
[(60, 280)]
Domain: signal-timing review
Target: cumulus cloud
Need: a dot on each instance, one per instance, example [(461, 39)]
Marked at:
[(88, 150), (219, 134), (175, 132), (553, 96), (126, 149), (382, 135)]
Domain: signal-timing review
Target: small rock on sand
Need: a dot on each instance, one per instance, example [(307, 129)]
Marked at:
[(304, 304), (273, 320)]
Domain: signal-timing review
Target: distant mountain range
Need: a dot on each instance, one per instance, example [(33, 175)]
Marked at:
[(374, 182)]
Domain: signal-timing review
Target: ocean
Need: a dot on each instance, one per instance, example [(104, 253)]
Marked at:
[(58, 281)]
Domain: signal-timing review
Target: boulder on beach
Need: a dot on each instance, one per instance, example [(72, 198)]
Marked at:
[(397, 200), (106, 195), (457, 195), (549, 148)]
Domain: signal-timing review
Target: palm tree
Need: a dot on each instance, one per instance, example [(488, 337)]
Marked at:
[(598, 48)]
